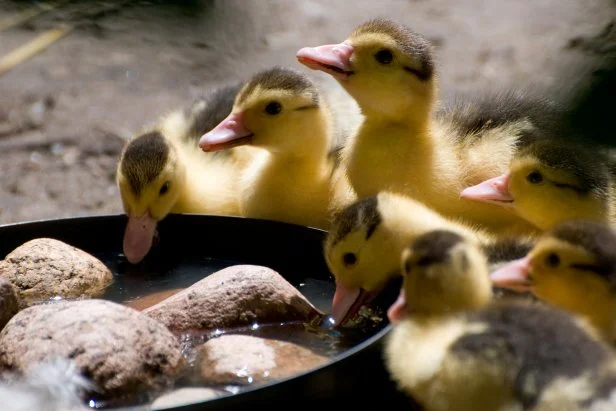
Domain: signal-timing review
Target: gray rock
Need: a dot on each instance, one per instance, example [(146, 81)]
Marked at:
[(9, 305), (236, 296), (44, 268), (243, 359), (121, 351)]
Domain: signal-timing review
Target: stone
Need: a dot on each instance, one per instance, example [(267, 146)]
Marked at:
[(243, 359), (123, 352), (9, 304), (45, 268), (236, 296)]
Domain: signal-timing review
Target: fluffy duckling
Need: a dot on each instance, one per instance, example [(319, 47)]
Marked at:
[(548, 183), (572, 266), (452, 348), (283, 112), (363, 246), (49, 386), (407, 145), (162, 171)]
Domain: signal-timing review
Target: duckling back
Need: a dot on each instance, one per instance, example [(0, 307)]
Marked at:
[(511, 356)]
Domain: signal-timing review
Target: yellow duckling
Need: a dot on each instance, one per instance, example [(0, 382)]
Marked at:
[(405, 144), (162, 171), (572, 266), (453, 348), (362, 248), (550, 182), (283, 112)]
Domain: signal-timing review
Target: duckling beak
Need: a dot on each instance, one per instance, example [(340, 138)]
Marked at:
[(397, 311), (229, 133), (334, 59), (138, 237), (513, 276), (347, 302), (494, 190)]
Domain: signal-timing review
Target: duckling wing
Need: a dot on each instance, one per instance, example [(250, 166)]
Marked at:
[(541, 348)]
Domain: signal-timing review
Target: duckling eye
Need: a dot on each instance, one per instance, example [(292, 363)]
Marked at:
[(552, 260), (349, 259), (273, 108), (384, 56), (164, 188), (535, 177)]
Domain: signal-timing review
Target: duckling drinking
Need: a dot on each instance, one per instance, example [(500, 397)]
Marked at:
[(549, 182), (405, 144), (453, 348), (363, 246), (572, 266), (283, 112), (162, 171)]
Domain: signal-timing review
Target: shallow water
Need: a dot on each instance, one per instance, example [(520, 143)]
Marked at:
[(142, 286)]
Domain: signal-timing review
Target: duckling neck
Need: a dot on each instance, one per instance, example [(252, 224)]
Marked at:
[(289, 187), (385, 153)]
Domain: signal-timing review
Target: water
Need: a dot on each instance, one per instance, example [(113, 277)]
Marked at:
[(142, 286)]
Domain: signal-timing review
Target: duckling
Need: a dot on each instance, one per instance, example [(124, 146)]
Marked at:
[(54, 385), (362, 248), (452, 347), (550, 182), (407, 143), (283, 112), (573, 267), (162, 171)]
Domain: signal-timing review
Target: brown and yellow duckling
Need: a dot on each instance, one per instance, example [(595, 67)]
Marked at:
[(572, 266), (162, 171), (283, 112), (452, 347), (549, 182), (407, 143), (363, 246)]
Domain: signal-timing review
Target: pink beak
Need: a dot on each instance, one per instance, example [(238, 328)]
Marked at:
[(347, 302), (513, 276), (138, 237), (334, 59), (229, 133), (397, 311), (494, 190)]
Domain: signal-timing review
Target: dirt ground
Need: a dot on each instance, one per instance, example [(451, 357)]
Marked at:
[(65, 112)]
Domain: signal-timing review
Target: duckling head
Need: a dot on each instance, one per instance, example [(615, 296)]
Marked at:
[(572, 266), (443, 273), (361, 255), (387, 68), (278, 109), (549, 183), (150, 177)]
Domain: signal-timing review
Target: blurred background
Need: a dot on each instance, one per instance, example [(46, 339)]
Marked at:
[(79, 77)]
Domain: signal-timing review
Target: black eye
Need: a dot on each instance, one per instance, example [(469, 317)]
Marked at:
[(349, 259), (552, 260), (164, 188), (384, 56), (273, 108), (535, 177)]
